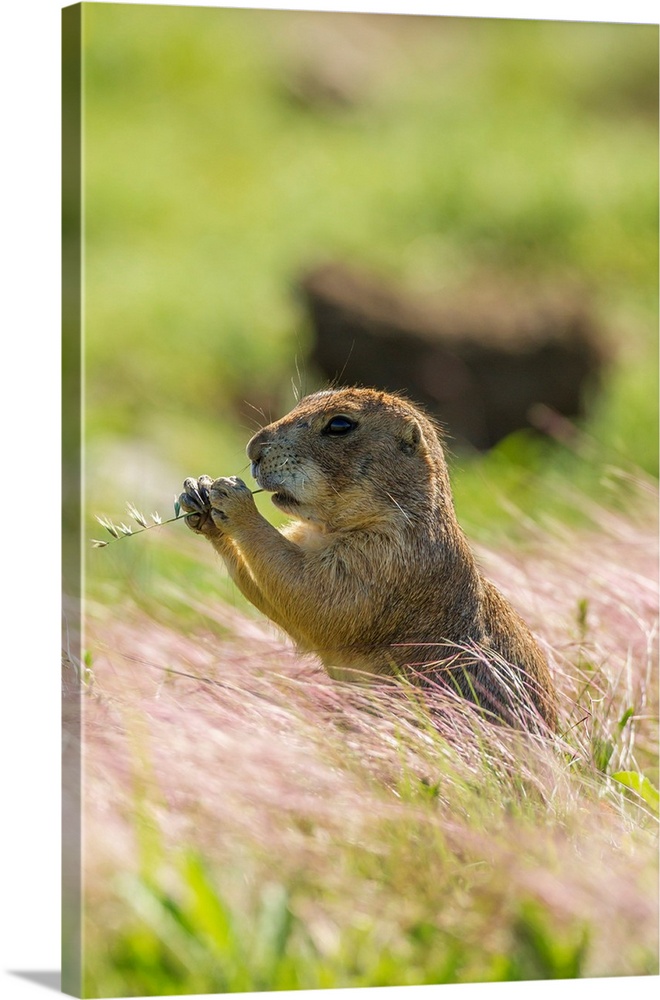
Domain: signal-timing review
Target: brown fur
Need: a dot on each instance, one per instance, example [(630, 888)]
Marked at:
[(374, 573)]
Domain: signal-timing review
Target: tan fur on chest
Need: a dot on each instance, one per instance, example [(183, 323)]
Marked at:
[(308, 536)]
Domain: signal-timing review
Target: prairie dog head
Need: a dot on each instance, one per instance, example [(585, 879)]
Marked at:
[(349, 458)]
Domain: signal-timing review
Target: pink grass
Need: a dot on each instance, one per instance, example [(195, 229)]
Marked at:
[(224, 739)]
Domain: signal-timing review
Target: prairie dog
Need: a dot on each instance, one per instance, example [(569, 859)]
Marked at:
[(373, 573)]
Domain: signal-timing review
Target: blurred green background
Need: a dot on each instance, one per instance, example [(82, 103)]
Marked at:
[(226, 151)]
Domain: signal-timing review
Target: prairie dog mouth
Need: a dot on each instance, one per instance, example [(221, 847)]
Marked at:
[(273, 484), (283, 499)]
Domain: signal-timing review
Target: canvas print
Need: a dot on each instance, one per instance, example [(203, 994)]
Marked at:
[(360, 500)]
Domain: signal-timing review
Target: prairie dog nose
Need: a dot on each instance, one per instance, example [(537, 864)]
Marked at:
[(255, 446)]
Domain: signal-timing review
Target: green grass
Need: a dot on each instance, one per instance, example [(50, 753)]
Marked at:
[(529, 147), (194, 942)]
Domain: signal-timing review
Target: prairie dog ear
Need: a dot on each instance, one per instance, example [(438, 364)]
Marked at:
[(411, 437)]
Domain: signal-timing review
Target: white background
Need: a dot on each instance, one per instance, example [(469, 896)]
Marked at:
[(30, 372)]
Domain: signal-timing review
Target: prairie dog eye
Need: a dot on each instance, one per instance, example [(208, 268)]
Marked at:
[(339, 425)]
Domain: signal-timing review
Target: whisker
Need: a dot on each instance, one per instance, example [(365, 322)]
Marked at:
[(257, 409), (339, 378), (296, 394), (406, 516)]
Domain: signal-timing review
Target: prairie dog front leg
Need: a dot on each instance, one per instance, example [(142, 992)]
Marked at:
[(274, 573), (280, 568), (195, 501)]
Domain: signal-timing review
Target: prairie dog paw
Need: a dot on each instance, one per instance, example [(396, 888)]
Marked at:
[(230, 499), (196, 504)]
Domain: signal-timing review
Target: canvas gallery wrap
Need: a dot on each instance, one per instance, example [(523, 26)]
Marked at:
[(360, 493)]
